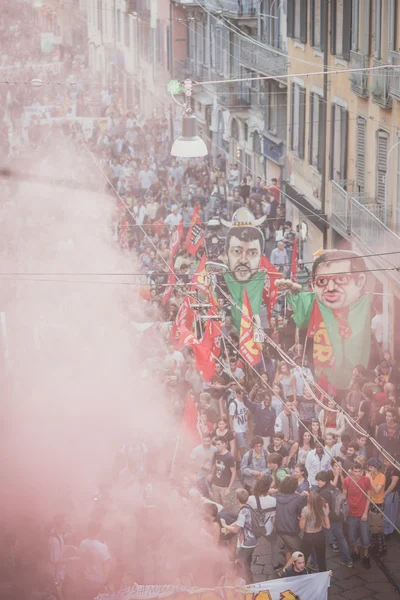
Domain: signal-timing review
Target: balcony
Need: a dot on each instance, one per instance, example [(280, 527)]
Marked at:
[(358, 217), (234, 95), (394, 59), (261, 59), (359, 80), (381, 86), (243, 9), (198, 71)]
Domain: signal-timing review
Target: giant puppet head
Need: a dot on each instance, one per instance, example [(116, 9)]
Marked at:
[(338, 278), (244, 244)]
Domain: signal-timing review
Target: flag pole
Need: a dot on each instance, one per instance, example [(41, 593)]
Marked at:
[(178, 439)]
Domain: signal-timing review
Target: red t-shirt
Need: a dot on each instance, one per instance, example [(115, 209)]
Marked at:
[(355, 498)]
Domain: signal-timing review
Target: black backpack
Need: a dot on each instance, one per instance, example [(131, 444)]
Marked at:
[(259, 519)]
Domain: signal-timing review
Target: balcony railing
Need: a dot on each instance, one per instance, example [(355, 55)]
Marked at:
[(182, 69), (364, 221), (394, 58), (381, 86), (262, 59), (237, 8), (234, 95), (359, 79)]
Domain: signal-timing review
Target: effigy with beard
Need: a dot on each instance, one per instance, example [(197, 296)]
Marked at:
[(244, 249)]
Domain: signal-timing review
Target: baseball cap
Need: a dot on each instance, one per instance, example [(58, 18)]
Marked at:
[(297, 555)]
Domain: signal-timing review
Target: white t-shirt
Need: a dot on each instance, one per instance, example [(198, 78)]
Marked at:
[(146, 179), (377, 327), (173, 220), (238, 411), (94, 555)]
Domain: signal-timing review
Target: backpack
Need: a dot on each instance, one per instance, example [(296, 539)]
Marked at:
[(250, 458), (339, 505), (232, 400), (259, 521)]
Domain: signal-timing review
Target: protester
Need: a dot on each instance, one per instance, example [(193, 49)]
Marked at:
[(315, 517), (357, 489)]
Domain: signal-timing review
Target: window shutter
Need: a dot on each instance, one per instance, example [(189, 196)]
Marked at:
[(355, 41), (365, 38), (302, 121), (347, 11), (332, 144), (312, 22), (169, 49), (321, 133), (360, 153), (381, 165), (292, 115), (345, 143), (333, 27), (310, 129), (290, 18), (303, 23), (392, 23), (324, 32), (377, 28)]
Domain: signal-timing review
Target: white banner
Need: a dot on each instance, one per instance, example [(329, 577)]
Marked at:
[(305, 587)]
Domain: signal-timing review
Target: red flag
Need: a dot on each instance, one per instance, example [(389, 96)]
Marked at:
[(171, 281), (202, 354), (293, 268), (190, 419), (212, 341), (199, 276), (184, 318), (195, 236), (270, 292), (176, 238), (249, 349)]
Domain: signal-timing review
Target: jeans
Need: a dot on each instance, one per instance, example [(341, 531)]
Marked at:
[(358, 529), (335, 533), (245, 556), (315, 541)]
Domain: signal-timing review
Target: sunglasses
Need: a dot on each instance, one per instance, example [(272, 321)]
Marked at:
[(322, 281)]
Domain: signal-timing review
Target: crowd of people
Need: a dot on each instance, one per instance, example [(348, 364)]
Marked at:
[(271, 465)]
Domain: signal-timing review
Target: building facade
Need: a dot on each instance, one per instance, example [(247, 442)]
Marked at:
[(343, 158)]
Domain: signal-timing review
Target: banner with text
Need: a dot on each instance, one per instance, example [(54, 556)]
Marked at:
[(305, 587)]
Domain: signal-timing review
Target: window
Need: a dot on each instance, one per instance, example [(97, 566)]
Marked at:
[(218, 51), (199, 44), (269, 22), (360, 19), (297, 124), (398, 188), (315, 131), (341, 12), (297, 20), (271, 97), (127, 31), (382, 141), (361, 149), (316, 23), (377, 28), (99, 16), (169, 48), (118, 17), (339, 135), (159, 42), (392, 16)]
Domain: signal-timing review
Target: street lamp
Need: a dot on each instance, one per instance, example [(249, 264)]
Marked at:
[(189, 144)]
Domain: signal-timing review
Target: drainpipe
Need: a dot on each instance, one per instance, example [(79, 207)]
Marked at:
[(324, 136)]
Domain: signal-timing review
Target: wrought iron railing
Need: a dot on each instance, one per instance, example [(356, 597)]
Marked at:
[(264, 59), (359, 79), (381, 85)]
